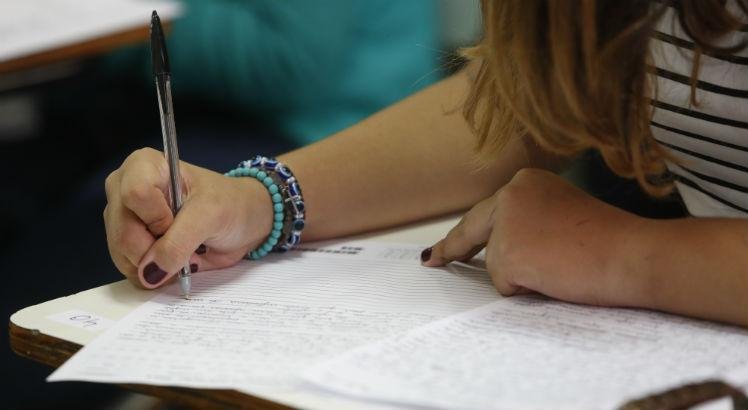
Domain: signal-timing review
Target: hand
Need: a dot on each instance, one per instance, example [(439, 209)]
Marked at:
[(221, 219), (542, 234)]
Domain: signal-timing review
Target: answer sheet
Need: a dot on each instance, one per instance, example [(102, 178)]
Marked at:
[(259, 324), (528, 352)]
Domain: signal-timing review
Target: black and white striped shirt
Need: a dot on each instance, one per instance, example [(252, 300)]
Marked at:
[(710, 141)]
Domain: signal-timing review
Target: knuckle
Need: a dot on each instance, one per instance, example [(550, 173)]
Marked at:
[(145, 152), (160, 225), (510, 194), (136, 194), (528, 174), (109, 183), (140, 154), (528, 186)]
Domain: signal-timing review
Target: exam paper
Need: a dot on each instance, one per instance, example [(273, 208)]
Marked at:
[(259, 324), (529, 352)]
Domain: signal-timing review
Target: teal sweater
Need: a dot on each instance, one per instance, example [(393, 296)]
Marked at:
[(310, 68)]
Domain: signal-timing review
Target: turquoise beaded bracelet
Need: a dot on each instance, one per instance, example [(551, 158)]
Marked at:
[(278, 211)]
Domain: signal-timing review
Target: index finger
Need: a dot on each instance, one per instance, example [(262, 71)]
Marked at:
[(466, 239), (143, 188)]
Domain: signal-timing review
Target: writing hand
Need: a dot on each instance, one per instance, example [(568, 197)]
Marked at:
[(148, 245)]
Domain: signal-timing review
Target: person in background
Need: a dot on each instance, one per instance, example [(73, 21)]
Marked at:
[(306, 69)]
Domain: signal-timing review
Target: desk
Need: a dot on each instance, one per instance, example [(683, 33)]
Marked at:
[(35, 336), (86, 48), (40, 40)]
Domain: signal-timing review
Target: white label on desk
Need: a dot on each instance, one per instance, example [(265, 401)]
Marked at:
[(81, 319)]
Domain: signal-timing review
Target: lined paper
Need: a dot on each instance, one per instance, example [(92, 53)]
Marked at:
[(528, 352), (260, 324)]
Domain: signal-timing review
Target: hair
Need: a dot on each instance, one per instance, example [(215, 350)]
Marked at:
[(574, 75)]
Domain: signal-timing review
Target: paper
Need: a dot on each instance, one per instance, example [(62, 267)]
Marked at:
[(29, 27), (534, 353), (259, 324), (81, 319)]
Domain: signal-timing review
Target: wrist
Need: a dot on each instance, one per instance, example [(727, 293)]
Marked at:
[(631, 276), (288, 219), (256, 210)]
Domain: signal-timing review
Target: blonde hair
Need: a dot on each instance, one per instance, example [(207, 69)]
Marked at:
[(575, 75)]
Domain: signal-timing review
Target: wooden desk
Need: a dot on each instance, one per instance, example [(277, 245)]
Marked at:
[(59, 31), (35, 336), (77, 51)]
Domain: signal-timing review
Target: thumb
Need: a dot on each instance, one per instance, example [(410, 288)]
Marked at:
[(172, 251)]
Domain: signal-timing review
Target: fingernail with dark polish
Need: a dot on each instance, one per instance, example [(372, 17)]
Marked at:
[(193, 267), (153, 274), (426, 255), (201, 249)]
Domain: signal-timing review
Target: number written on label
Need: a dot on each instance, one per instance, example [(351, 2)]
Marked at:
[(81, 319)]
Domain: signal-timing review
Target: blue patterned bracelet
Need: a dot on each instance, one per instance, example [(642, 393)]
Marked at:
[(278, 209), (293, 199)]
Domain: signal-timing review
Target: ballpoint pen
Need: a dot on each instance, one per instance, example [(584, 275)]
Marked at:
[(162, 75)]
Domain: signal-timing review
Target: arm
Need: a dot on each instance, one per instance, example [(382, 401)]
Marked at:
[(411, 161), (694, 267)]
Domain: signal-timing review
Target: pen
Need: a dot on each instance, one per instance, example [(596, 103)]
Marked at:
[(162, 75)]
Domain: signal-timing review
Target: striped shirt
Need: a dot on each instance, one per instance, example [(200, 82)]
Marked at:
[(709, 141)]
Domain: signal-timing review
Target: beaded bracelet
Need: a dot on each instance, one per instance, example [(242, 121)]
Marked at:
[(288, 203), (293, 199), (278, 211)]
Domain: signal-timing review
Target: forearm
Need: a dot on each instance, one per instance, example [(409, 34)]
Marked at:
[(411, 161), (695, 267)]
